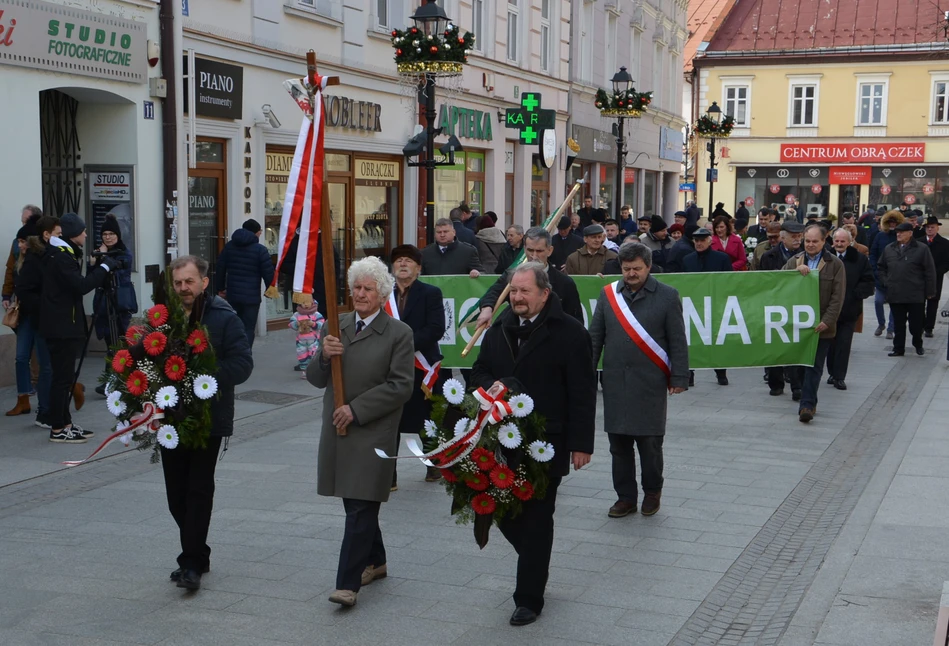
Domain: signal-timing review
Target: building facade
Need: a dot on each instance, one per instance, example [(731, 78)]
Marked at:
[(648, 38), (828, 120)]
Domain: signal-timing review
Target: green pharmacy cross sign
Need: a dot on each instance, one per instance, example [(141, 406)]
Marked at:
[(529, 120)]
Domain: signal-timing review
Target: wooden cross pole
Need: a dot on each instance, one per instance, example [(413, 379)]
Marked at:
[(326, 246)]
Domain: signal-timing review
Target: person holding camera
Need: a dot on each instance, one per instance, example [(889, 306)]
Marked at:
[(63, 319), (121, 290)]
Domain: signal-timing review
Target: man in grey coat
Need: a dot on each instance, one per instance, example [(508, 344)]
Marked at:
[(378, 377), (652, 361), (909, 275)]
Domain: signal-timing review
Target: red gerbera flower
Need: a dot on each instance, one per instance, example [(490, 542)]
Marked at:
[(523, 490), (134, 334), (502, 477), (121, 361), (449, 475), (175, 368), (155, 343), (477, 481), (483, 504), (137, 383), (198, 342), (483, 458), (157, 315)]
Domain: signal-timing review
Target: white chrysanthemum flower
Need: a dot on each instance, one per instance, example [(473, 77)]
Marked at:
[(109, 387), (541, 451), (509, 436), (168, 436), (430, 429), (454, 392), (521, 405), (205, 387), (462, 426), (166, 397), (116, 405), (125, 439)]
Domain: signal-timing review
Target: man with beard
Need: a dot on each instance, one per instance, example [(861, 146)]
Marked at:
[(524, 351), (939, 247)]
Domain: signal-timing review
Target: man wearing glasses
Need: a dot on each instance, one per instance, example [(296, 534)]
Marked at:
[(772, 239)]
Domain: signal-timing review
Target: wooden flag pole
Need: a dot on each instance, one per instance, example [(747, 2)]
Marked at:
[(551, 227), (326, 246)]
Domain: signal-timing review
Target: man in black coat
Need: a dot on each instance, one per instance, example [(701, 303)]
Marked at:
[(537, 248), (741, 213), (850, 218), (449, 257), (524, 350), (241, 266), (189, 473), (760, 231), (775, 259), (859, 287), (463, 232), (692, 214), (682, 248), (939, 247), (590, 215), (419, 306), (704, 258), (515, 240), (63, 320), (565, 242), (909, 275)]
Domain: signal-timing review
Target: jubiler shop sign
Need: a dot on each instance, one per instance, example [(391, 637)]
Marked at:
[(858, 153), (46, 36)]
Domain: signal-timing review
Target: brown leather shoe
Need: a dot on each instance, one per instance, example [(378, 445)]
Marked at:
[(806, 415), (22, 406), (622, 508), (372, 572), (78, 396), (651, 503), (344, 598), (432, 474)]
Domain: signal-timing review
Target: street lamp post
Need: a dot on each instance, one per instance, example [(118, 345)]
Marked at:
[(715, 114), (622, 82)]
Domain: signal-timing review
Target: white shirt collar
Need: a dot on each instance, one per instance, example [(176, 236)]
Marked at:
[(369, 319), (531, 319)]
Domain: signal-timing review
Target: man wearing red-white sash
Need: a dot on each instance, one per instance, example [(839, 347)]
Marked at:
[(638, 328), (420, 306)]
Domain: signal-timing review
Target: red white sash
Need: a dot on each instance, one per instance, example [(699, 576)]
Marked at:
[(431, 371), (636, 331)]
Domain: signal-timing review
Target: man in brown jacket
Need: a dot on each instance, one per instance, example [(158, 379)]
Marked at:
[(833, 288), (589, 259)]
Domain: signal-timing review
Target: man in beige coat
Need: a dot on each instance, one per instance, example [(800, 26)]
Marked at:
[(590, 259), (378, 375)]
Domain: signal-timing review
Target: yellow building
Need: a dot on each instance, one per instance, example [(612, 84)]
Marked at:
[(833, 117)]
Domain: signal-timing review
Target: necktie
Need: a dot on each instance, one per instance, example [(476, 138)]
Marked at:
[(841, 256), (359, 327)]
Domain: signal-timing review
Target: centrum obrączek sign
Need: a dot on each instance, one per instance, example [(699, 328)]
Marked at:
[(51, 37)]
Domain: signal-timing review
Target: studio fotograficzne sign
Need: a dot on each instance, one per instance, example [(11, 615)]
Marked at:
[(219, 89), (854, 153), (47, 36)]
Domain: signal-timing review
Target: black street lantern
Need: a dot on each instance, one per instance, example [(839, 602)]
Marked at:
[(714, 113), (622, 81), (431, 19)]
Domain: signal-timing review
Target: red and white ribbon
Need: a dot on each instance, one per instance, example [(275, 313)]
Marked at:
[(148, 418), (492, 403), (636, 331), (431, 371)]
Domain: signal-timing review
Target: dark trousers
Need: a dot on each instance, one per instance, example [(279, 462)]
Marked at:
[(838, 355), (623, 452), (362, 543), (189, 486), (812, 375), (62, 357), (779, 374), (531, 534), (914, 313), (932, 305), (247, 313)]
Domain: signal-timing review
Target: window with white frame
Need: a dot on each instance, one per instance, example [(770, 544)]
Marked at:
[(940, 113), (513, 25), (477, 23), (545, 35), (586, 41), (872, 99), (657, 75), (636, 56), (738, 104), (803, 104), (323, 7), (609, 42)]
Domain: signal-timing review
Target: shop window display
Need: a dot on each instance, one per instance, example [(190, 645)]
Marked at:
[(806, 189)]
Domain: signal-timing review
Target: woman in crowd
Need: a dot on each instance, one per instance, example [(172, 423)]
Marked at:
[(378, 376), (491, 243), (28, 284), (725, 240)]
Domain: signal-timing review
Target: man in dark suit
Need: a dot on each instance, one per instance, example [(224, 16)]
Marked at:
[(537, 248), (760, 231), (449, 257), (590, 215), (860, 284), (525, 350), (939, 247), (419, 306), (850, 218), (741, 213), (564, 243)]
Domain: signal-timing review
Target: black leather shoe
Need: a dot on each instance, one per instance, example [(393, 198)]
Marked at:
[(176, 575), (190, 580), (723, 381), (523, 616), (691, 379), (830, 381), (840, 384), (896, 353), (928, 334), (796, 395), (776, 392), (920, 351)]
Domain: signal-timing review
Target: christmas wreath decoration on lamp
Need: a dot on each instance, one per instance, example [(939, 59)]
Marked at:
[(707, 127), (439, 54), (627, 103)]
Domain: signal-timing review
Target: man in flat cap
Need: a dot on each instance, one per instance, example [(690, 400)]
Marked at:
[(908, 273), (564, 243), (589, 260)]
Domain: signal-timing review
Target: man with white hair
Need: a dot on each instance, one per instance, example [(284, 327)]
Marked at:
[(378, 366), (859, 276)]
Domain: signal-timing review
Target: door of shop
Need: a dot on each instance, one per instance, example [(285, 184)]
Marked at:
[(207, 201), (848, 200)]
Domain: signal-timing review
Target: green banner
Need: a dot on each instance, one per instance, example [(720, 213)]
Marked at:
[(732, 320)]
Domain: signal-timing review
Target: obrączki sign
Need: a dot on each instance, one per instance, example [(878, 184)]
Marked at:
[(854, 153)]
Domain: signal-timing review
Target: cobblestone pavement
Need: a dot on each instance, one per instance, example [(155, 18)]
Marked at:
[(770, 531)]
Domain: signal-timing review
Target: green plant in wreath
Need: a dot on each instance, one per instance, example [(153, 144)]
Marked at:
[(622, 104), (445, 53), (706, 126)]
